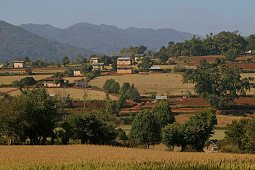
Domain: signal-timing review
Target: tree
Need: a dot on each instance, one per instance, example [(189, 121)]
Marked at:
[(172, 135), (237, 133), (125, 87), (219, 85), (25, 82), (29, 71), (163, 113), (91, 130), (32, 115), (251, 43), (111, 86), (86, 68), (145, 130), (132, 93), (231, 54), (65, 60), (69, 71), (146, 64), (194, 133)]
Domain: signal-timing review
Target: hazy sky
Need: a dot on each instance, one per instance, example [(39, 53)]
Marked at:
[(195, 16)]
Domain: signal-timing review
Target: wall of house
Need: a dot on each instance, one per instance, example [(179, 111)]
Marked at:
[(52, 85), (77, 73), (123, 62), (98, 67), (94, 61), (124, 71), (18, 65)]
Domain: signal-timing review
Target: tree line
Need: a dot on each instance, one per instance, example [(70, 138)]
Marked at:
[(218, 44)]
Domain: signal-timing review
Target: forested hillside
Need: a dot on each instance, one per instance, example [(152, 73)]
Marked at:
[(107, 38), (17, 42)]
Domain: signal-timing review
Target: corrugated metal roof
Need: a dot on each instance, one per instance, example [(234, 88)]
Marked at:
[(124, 58), (156, 68)]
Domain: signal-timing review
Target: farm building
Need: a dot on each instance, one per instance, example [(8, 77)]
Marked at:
[(94, 60), (77, 71), (97, 66), (156, 69), (124, 65), (53, 82), (18, 64), (1, 65), (211, 146)]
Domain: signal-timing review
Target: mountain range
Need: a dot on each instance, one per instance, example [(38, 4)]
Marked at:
[(106, 39), (16, 42)]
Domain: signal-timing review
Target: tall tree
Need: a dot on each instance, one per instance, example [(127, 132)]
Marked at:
[(65, 60)]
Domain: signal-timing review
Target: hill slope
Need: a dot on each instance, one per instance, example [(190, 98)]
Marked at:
[(18, 42), (107, 38)]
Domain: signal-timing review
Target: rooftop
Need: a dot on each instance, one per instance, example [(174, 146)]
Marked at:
[(76, 68), (18, 61), (124, 58), (97, 64), (155, 68)]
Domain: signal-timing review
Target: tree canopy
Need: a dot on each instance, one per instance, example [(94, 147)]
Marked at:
[(218, 85)]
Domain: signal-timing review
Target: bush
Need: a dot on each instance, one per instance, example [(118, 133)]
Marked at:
[(111, 86)]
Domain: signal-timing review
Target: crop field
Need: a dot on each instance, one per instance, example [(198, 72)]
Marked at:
[(160, 83), (35, 70), (10, 79), (78, 93), (107, 157)]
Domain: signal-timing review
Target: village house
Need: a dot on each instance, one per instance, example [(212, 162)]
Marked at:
[(156, 70), (53, 82), (18, 64), (94, 60), (1, 65), (211, 146), (124, 65), (96, 66), (77, 72)]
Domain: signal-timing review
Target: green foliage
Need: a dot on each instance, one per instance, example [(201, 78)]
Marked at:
[(121, 134), (112, 107), (194, 133), (163, 114), (24, 82), (111, 86), (65, 61), (218, 85), (132, 93), (242, 134), (31, 115), (231, 54), (145, 129), (211, 45), (69, 71), (28, 71), (92, 130), (86, 68), (146, 64)]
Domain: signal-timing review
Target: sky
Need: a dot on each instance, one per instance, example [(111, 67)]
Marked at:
[(194, 16)]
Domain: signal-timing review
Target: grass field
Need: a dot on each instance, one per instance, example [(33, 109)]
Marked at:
[(10, 79), (78, 93), (107, 157), (160, 83)]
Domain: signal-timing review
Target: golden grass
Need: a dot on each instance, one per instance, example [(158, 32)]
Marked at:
[(10, 79), (71, 154), (78, 93), (223, 120), (160, 83)]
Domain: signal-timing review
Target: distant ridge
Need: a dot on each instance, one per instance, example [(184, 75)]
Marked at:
[(17, 42), (107, 38)]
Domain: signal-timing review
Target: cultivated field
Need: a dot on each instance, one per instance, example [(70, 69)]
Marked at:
[(74, 93), (107, 157), (35, 70), (78, 93), (160, 83), (10, 79)]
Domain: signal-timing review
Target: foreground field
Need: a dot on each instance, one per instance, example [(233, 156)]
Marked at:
[(106, 157)]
